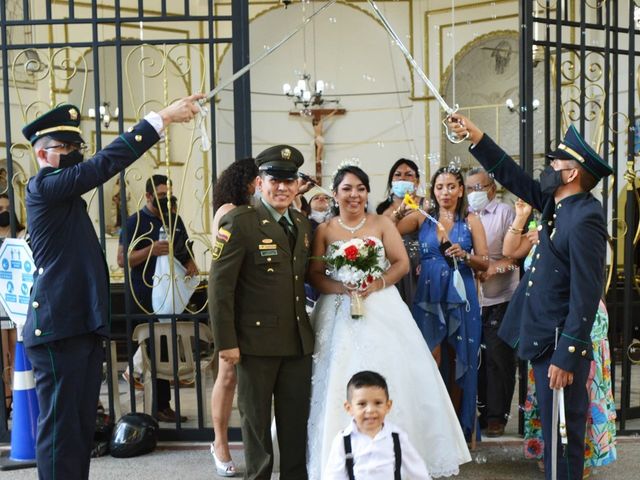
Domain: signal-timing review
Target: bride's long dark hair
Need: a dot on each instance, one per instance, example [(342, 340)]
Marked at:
[(339, 176)]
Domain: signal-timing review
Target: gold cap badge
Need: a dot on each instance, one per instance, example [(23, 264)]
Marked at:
[(73, 114), (285, 153)]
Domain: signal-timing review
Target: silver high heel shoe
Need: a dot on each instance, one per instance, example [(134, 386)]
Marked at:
[(224, 469)]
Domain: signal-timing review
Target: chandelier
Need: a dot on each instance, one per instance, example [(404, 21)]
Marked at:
[(302, 93), (105, 113), (305, 98)]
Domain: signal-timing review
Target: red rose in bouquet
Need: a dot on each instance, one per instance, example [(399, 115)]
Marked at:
[(351, 253)]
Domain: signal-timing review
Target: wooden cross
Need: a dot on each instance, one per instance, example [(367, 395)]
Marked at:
[(318, 115)]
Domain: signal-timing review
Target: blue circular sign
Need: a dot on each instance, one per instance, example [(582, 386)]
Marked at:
[(5, 264)]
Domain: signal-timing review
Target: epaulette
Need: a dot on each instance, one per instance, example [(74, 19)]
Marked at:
[(241, 210)]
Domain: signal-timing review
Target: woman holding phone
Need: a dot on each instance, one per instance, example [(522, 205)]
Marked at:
[(446, 306)]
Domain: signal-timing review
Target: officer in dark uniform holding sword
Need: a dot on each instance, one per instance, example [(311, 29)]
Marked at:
[(68, 317), (551, 314), (257, 307)]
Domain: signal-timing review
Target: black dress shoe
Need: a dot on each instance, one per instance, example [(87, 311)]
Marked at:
[(495, 429), (168, 415)]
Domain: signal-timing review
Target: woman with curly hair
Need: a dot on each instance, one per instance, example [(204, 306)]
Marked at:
[(235, 187)]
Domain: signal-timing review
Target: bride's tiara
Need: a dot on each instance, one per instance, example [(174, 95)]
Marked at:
[(349, 162)]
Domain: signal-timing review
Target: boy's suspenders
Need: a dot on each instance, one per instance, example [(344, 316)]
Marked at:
[(348, 455)]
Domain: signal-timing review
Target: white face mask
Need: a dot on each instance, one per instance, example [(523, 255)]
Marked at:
[(478, 200), (320, 216)]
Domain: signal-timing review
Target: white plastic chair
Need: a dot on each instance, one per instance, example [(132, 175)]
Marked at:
[(185, 362)]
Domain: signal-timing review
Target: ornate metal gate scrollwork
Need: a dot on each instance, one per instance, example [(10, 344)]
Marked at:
[(117, 61)]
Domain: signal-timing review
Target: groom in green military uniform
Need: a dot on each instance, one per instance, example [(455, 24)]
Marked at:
[(257, 308)]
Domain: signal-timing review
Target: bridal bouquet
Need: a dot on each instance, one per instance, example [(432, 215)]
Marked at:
[(356, 263)]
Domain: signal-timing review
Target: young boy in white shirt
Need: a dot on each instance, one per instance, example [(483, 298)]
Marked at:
[(370, 448)]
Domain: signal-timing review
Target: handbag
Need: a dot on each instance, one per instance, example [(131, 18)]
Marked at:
[(170, 296)]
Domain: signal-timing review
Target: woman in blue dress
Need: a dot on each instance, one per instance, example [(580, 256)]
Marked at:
[(445, 307)]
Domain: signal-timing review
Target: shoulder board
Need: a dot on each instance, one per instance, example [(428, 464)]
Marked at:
[(241, 210)]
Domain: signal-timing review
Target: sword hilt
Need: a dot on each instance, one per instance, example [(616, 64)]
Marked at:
[(453, 138)]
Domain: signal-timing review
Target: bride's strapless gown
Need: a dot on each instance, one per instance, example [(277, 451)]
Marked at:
[(385, 340)]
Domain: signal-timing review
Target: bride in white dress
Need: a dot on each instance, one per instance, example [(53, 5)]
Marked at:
[(386, 339)]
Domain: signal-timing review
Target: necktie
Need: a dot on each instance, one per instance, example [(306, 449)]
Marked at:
[(287, 230)]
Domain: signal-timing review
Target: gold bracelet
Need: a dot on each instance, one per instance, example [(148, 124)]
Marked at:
[(399, 216), (516, 231)]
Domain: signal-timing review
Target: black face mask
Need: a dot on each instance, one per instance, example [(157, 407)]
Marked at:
[(551, 179), (70, 159), (161, 205), (5, 219)]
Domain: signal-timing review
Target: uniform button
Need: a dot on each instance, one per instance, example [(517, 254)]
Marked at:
[(533, 269), (130, 129), (559, 205), (571, 349), (537, 256), (37, 332), (258, 323), (549, 223), (138, 138), (270, 270), (296, 277), (297, 298), (35, 304), (530, 283), (555, 216), (268, 259), (298, 318), (294, 259), (539, 227), (583, 353), (40, 270), (535, 344)]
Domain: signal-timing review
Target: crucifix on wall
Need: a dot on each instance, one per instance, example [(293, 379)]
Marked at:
[(318, 118)]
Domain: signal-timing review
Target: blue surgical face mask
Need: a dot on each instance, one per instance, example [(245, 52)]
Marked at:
[(401, 187)]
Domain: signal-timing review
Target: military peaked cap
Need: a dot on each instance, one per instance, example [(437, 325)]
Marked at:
[(61, 123)]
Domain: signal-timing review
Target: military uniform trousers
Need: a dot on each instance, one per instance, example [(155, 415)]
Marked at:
[(68, 377), (576, 404), (497, 376), (286, 379)]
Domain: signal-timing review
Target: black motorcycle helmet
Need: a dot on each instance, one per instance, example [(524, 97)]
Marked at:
[(134, 434)]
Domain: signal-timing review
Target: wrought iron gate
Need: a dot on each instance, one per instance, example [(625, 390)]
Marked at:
[(587, 50), (122, 59)]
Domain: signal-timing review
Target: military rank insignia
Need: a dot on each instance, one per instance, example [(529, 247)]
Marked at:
[(222, 238), (267, 248)]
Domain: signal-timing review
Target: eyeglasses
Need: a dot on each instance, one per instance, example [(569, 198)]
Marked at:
[(478, 187), (68, 146)]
